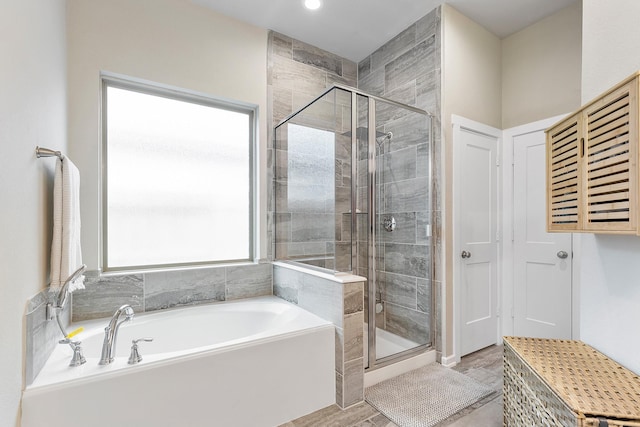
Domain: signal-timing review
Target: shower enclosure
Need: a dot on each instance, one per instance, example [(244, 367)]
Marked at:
[(353, 195)]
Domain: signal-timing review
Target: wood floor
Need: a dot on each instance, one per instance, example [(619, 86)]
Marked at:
[(484, 366)]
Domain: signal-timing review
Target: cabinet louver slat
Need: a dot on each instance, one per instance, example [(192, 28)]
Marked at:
[(592, 170), (563, 173), (610, 162)]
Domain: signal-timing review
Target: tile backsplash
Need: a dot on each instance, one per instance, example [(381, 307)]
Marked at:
[(155, 291)]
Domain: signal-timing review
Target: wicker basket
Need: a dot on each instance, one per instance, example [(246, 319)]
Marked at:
[(566, 383)]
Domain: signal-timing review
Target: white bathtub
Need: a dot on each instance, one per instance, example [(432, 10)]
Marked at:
[(254, 362)]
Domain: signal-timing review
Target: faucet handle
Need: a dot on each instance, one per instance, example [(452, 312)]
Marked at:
[(135, 356), (78, 358)]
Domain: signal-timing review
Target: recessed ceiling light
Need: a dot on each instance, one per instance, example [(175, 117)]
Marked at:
[(312, 4)]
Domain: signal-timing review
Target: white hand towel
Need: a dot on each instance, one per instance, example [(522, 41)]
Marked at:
[(66, 253)]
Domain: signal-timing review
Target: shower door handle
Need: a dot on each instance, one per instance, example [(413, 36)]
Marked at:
[(465, 254)]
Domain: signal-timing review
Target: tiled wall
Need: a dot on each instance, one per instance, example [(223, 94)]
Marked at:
[(42, 334), (340, 300), (298, 73), (155, 291), (407, 70), (313, 184)]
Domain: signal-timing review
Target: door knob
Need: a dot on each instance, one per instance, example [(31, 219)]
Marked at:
[(562, 254), (465, 254)]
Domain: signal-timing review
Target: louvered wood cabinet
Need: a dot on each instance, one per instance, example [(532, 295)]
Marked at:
[(592, 165)]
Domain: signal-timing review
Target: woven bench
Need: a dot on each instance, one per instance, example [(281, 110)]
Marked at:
[(566, 383)]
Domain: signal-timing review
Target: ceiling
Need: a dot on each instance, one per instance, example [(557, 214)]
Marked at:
[(355, 28)]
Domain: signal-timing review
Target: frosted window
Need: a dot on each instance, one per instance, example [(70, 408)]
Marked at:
[(178, 181)]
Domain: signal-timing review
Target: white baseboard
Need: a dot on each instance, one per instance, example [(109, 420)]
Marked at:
[(449, 361)]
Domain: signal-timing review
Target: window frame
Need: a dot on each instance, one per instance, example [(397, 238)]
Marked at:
[(185, 95)]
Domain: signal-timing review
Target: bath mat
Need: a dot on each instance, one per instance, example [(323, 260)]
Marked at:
[(425, 396)]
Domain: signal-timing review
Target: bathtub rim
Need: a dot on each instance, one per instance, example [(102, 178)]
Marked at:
[(118, 369)]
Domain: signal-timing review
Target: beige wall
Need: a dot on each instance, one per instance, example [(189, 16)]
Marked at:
[(608, 269), (541, 68), (471, 86), (172, 42), (32, 112)]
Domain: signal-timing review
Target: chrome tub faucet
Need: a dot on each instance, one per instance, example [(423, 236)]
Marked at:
[(111, 333)]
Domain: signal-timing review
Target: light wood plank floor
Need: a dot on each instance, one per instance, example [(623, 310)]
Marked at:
[(484, 366)]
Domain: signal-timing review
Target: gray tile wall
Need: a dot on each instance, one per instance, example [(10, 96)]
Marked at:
[(309, 221), (407, 70), (159, 290), (42, 335), (343, 305)]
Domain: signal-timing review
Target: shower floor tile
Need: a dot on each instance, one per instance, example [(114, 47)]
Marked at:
[(485, 366)]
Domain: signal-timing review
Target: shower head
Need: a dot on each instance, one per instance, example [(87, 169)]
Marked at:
[(380, 139)]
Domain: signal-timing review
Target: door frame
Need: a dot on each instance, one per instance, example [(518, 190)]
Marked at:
[(459, 123), (506, 247)]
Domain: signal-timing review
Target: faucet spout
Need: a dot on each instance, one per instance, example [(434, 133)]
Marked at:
[(111, 333)]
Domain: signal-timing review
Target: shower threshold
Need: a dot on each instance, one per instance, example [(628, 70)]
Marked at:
[(388, 343)]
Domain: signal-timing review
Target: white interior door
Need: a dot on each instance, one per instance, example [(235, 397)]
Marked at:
[(542, 261), (475, 228)]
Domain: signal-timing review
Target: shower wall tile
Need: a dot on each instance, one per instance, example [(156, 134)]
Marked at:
[(399, 289), (425, 296), (282, 103), (427, 26), (102, 296), (411, 324), (408, 131), (426, 91), (402, 69), (299, 78), (364, 67), (312, 227), (350, 72), (176, 288), (410, 260), (423, 220), (405, 231), (407, 69), (407, 196), (342, 256), (319, 58), (373, 82), (400, 165), (422, 160), (282, 45), (321, 115), (394, 48), (405, 94), (282, 227), (297, 249)]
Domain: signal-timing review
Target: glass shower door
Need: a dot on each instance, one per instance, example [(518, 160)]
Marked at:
[(401, 230)]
